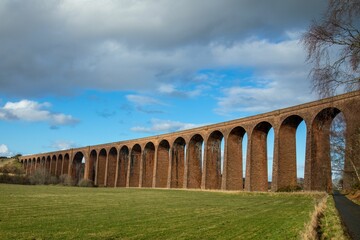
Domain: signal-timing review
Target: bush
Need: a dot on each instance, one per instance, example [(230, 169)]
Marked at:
[(66, 180), (86, 183), (54, 180), (14, 179), (40, 177), (295, 188), (356, 186), (13, 168)]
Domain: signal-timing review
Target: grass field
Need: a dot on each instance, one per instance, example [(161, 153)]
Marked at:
[(55, 212)]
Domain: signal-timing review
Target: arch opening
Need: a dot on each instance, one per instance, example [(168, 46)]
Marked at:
[(65, 169), (53, 166), (162, 167), (59, 165), (320, 178), (92, 166), (38, 163), (78, 167), (337, 149), (48, 164), (301, 136)]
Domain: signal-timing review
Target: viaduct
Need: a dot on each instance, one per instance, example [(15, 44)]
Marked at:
[(192, 158)]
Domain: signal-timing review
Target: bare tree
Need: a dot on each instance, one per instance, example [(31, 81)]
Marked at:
[(337, 146), (333, 46), (338, 152)]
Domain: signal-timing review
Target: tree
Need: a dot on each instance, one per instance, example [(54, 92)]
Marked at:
[(333, 46), (337, 146)]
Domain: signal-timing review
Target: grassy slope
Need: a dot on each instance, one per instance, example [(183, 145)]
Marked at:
[(5, 161), (330, 223), (54, 212)]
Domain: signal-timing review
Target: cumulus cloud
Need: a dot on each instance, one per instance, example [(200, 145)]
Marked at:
[(4, 150), (130, 45), (279, 80), (32, 111), (163, 126)]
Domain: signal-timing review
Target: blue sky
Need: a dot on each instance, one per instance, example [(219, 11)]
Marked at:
[(79, 73)]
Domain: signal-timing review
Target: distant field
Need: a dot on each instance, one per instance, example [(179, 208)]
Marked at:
[(55, 212)]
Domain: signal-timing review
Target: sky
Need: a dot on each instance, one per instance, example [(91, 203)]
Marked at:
[(80, 73)]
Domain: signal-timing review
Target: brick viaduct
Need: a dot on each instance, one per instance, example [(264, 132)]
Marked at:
[(174, 160)]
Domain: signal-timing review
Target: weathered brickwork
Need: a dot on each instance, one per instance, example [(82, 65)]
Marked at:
[(193, 158)]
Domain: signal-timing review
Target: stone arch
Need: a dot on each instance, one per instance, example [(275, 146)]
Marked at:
[(43, 162), (28, 166), (101, 168), (123, 166), (24, 164), (111, 167), (194, 161), (285, 172), (92, 165), (53, 165), (178, 163), (162, 167), (78, 167), (258, 159), (234, 159), (320, 164), (32, 165), (59, 165), (213, 174), (148, 165), (48, 164), (38, 163), (135, 159), (65, 169)]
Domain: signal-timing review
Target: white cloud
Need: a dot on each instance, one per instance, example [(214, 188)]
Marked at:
[(4, 150), (279, 79), (32, 111), (257, 100), (162, 126), (63, 145)]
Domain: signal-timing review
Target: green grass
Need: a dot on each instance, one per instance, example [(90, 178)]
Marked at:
[(54, 212), (330, 222)]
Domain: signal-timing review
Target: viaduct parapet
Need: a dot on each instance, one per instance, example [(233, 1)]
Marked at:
[(193, 159)]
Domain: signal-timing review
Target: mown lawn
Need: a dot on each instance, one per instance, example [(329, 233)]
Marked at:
[(56, 212)]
